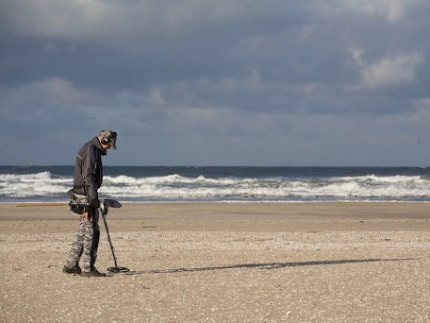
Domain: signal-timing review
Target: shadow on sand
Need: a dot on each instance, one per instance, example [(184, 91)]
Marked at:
[(265, 266)]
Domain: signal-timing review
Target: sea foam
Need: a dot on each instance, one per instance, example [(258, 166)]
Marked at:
[(176, 187)]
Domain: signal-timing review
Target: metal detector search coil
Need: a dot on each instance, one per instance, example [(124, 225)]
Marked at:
[(118, 270)]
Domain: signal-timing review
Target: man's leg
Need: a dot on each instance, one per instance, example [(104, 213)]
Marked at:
[(72, 263), (91, 240)]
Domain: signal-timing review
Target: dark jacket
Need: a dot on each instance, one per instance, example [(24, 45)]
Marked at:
[(89, 169)]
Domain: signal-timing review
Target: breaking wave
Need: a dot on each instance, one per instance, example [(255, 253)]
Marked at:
[(45, 186)]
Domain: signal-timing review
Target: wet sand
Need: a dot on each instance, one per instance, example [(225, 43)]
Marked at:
[(222, 262)]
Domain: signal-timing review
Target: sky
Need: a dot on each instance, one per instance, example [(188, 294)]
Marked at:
[(226, 82)]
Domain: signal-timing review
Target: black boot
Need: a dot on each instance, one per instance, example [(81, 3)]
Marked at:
[(74, 270)]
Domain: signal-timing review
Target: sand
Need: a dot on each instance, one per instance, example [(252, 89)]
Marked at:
[(221, 262)]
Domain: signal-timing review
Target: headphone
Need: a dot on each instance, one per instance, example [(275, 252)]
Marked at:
[(107, 140)]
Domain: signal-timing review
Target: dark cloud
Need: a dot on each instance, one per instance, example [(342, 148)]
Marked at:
[(225, 82)]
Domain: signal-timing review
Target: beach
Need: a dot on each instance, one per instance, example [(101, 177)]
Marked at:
[(223, 262)]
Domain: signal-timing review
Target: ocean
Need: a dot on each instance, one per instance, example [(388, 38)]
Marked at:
[(223, 184)]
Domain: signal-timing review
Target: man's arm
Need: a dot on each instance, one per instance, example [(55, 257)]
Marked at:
[(89, 173)]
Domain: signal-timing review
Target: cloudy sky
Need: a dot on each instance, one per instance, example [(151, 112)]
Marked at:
[(226, 82)]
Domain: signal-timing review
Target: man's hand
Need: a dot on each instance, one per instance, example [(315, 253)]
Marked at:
[(95, 203)]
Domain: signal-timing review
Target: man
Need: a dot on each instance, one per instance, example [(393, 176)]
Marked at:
[(87, 180)]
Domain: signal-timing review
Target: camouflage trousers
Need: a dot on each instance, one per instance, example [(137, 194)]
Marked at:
[(86, 241)]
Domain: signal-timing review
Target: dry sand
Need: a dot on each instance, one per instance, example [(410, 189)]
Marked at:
[(215, 262)]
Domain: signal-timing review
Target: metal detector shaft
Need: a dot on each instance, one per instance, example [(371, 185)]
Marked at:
[(110, 242)]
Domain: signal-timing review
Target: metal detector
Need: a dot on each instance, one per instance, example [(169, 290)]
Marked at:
[(104, 207)]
